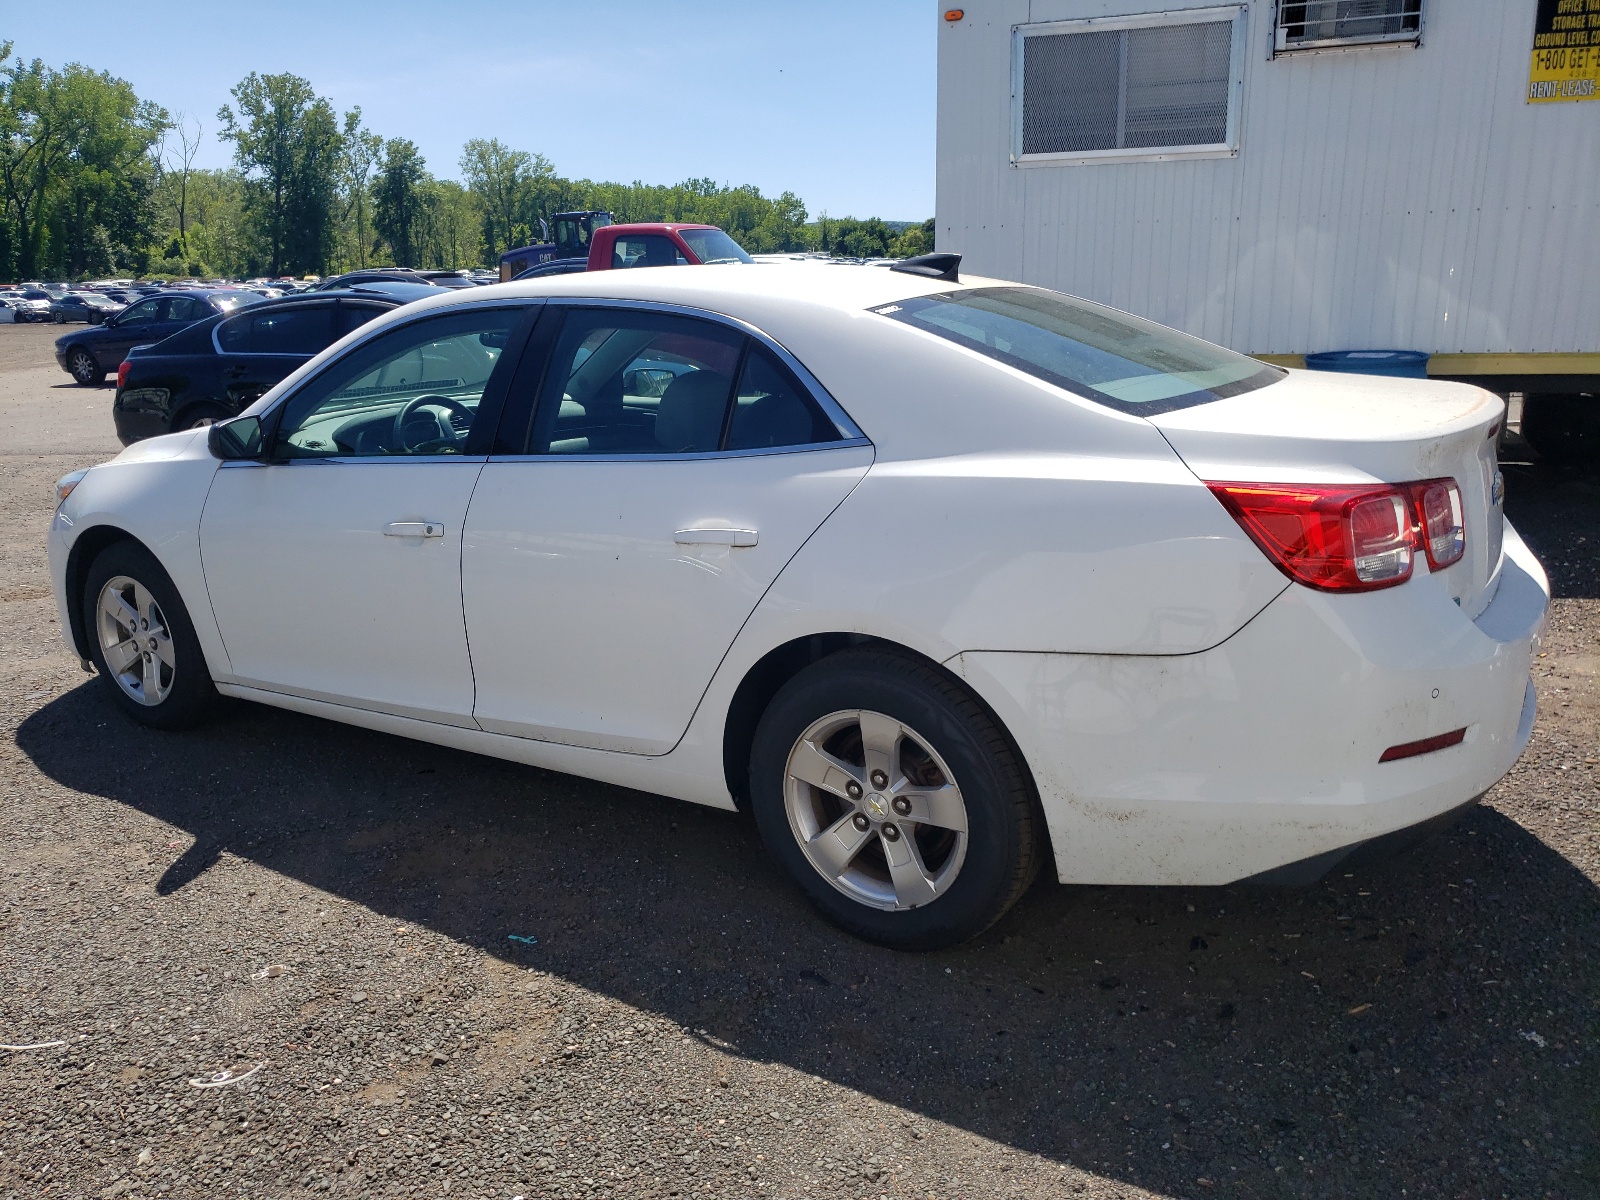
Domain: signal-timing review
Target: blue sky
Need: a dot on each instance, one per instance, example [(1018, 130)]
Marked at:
[(829, 99)]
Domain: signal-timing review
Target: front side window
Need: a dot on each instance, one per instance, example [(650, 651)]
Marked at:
[(142, 313), (646, 250), (626, 382), (414, 390), (1332, 24), (1135, 86), (1113, 358), (713, 246)]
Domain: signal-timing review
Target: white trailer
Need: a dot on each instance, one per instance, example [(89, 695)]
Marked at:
[(1293, 176)]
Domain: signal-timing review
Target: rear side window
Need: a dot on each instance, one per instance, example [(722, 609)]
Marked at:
[(770, 410), (646, 250), (354, 316), (622, 382), (1116, 359), (302, 330)]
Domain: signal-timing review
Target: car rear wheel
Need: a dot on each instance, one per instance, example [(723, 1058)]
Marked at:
[(61, 318), (142, 641), (81, 365), (894, 800)]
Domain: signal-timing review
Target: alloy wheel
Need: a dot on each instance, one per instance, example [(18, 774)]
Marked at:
[(82, 366), (875, 810), (135, 641)]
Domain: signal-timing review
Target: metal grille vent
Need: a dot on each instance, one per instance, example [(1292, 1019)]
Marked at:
[(1153, 87), (1306, 24)]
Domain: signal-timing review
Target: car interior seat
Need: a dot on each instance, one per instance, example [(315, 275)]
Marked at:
[(690, 416)]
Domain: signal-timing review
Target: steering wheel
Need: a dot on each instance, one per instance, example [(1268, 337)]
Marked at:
[(398, 437)]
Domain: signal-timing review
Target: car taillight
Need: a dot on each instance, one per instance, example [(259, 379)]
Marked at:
[(1341, 538), (122, 374), (1438, 507)]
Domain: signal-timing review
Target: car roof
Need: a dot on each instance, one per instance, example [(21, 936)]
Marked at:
[(733, 288)]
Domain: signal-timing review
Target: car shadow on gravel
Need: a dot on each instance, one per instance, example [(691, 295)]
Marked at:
[(1423, 1024)]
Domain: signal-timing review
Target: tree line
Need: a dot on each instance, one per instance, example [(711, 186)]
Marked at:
[(98, 182)]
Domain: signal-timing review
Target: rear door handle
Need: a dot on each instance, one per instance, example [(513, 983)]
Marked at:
[(416, 529), (706, 536)]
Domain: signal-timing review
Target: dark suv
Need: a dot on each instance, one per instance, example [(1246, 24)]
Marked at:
[(213, 370), (88, 354)]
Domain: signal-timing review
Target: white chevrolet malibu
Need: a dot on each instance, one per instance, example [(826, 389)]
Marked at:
[(941, 576)]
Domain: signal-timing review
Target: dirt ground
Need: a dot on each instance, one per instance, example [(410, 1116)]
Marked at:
[(453, 976)]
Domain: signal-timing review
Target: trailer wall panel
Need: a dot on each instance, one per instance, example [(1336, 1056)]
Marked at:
[(1381, 197)]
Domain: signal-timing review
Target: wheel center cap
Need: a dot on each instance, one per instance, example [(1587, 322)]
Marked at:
[(875, 805)]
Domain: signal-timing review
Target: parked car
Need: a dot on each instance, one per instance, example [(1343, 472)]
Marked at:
[(8, 314), (215, 368), (91, 307), (89, 354), (944, 577), (378, 275), (30, 303)]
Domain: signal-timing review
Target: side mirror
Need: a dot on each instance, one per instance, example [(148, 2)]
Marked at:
[(240, 438), (647, 381)]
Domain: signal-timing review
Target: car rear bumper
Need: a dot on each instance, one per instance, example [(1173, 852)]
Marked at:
[(1263, 752)]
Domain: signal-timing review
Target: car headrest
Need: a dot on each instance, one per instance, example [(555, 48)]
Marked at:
[(690, 415)]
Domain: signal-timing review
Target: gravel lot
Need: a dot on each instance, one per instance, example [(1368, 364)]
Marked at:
[(342, 912)]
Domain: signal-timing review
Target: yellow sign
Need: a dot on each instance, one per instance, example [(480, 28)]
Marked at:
[(1566, 52)]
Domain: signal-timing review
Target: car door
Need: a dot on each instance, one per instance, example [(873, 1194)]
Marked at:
[(334, 567), (136, 325), (607, 568), (256, 349)]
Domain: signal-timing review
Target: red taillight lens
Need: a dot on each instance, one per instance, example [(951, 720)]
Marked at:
[(1438, 507), (1334, 538), (1339, 538), (122, 374)]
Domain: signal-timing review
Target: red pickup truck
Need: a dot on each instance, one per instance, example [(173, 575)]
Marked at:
[(646, 244)]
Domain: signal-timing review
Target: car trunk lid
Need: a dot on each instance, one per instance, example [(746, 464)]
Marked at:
[(1312, 427)]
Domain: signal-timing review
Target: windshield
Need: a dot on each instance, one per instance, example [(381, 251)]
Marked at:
[(237, 300), (1111, 357), (713, 246)]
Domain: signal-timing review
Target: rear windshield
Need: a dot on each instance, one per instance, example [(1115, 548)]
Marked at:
[(713, 246), (1121, 361)]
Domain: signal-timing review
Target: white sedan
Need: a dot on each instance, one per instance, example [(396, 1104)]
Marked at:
[(944, 577)]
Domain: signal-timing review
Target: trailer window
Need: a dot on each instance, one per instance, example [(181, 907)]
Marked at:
[(1151, 86), (1110, 357), (1326, 24)]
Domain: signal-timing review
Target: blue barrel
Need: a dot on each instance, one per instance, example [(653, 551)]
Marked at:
[(1404, 364)]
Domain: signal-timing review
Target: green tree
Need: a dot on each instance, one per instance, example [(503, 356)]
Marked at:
[(287, 143), (398, 200), (75, 166), (362, 150), (512, 186)]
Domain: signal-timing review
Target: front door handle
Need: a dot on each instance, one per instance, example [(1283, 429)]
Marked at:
[(707, 536), (416, 529)]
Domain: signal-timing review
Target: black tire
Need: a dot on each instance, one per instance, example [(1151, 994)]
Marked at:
[(1004, 846), (1563, 427), (61, 318), (192, 696), (85, 368), (197, 415)]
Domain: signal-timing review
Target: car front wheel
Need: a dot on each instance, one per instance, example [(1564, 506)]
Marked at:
[(894, 800), (142, 641), (81, 365)]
